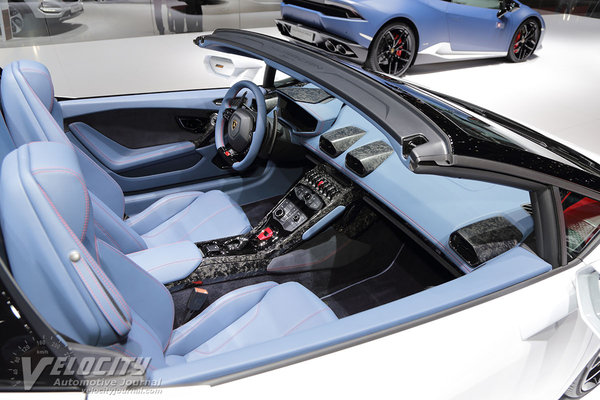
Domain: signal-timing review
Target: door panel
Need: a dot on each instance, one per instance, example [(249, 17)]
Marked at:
[(144, 127), (472, 26)]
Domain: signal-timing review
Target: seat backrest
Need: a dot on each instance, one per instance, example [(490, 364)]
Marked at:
[(32, 114), (30, 109), (81, 286)]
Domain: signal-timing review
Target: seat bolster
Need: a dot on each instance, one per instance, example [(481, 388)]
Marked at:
[(120, 158), (284, 310), (211, 215), (56, 111), (142, 342), (170, 262), (216, 317), (113, 230), (160, 211), (101, 184), (145, 296)]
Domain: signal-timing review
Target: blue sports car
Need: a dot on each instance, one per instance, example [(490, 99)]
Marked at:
[(387, 35)]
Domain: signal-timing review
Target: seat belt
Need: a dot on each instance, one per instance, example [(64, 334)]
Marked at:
[(114, 310)]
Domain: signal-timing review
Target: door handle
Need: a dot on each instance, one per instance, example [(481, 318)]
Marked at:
[(191, 124)]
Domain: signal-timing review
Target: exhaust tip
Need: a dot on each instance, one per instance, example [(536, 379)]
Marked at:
[(330, 46)]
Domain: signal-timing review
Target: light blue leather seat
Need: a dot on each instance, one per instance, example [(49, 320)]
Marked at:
[(89, 291), (33, 114)]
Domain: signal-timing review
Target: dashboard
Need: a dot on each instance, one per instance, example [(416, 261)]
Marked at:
[(435, 206)]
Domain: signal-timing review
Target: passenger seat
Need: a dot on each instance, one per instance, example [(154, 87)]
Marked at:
[(90, 292), (33, 114)]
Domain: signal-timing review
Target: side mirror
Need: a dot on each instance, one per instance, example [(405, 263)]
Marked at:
[(506, 6)]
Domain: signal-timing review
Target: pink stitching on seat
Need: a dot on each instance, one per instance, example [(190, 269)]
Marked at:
[(85, 192), (129, 160), (232, 336), (119, 222), (37, 71), (197, 259), (42, 104), (110, 179), (196, 321), (87, 255), (147, 212), (181, 215), (158, 247), (210, 217), (107, 235), (152, 335), (304, 320), (153, 279), (112, 323)]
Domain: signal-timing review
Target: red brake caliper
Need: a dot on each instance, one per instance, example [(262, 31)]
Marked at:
[(398, 43), (517, 43)]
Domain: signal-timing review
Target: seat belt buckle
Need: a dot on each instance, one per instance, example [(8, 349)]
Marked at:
[(196, 301)]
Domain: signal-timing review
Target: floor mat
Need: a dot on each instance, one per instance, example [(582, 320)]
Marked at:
[(410, 272), (395, 268)]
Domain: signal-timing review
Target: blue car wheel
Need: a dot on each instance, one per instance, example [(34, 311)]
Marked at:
[(393, 50), (524, 41)]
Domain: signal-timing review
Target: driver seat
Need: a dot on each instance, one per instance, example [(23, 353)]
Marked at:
[(33, 114)]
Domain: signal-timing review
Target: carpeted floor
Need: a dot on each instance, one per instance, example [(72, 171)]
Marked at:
[(394, 268)]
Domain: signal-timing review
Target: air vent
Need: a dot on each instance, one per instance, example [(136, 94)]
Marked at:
[(338, 141), (529, 208), (484, 240), (365, 159)]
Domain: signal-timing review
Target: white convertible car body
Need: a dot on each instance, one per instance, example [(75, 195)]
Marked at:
[(347, 231)]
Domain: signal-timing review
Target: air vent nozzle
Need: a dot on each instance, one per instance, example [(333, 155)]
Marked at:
[(484, 240), (336, 142), (365, 159)]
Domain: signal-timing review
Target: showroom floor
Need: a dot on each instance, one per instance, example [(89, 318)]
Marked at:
[(556, 92)]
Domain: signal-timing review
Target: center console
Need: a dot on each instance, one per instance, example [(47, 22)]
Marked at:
[(317, 194)]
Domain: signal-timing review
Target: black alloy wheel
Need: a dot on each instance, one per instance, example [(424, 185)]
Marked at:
[(525, 41), (393, 50)]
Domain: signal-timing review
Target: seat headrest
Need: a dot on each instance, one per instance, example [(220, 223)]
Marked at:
[(30, 110), (37, 77)]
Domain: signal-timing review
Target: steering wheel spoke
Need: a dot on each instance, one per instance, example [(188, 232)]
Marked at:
[(240, 128)]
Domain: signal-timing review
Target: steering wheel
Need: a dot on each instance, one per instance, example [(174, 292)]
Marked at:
[(244, 126)]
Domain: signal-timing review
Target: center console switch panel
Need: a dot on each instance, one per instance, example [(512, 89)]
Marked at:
[(322, 184), (309, 197), (289, 215), (308, 207)]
